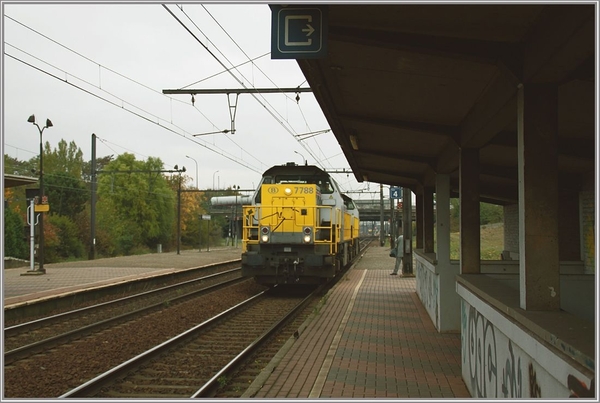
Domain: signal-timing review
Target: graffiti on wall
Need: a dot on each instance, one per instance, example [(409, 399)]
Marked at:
[(494, 366), (428, 289), (481, 355), (512, 377)]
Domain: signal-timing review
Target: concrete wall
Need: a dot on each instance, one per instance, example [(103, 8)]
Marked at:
[(436, 284), (501, 360)]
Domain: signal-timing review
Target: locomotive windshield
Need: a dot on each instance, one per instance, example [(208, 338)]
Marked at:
[(323, 183), (283, 175)]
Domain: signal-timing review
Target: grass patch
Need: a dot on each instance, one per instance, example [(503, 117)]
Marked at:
[(491, 238)]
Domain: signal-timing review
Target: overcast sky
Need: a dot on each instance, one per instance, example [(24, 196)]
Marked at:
[(101, 68)]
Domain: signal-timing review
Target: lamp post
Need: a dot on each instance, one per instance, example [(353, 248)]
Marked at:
[(214, 179), (196, 162), (305, 162), (235, 228), (31, 119)]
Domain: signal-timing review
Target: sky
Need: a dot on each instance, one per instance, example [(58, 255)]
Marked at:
[(101, 68)]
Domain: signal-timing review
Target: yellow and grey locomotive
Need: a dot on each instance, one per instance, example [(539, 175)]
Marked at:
[(299, 227)]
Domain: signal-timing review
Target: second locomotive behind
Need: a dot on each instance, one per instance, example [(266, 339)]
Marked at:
[(299, 227)]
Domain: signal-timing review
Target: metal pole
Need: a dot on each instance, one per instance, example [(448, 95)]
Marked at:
[(392, 224), (31, 219), (92, 254), (179, 215), (214, 179), (196, 162), (41, 247), (235, 229), (381, 232), (31, 119)]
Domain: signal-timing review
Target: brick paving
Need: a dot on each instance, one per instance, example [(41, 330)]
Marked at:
[(372, 338)]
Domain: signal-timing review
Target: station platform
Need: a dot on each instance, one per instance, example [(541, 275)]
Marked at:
[(19, 286), (371, 338)]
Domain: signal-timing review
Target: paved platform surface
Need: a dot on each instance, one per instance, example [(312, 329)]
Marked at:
[(18, 286), (371, 338)]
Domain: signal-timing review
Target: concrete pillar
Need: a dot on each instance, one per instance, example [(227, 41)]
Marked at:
[(419, 216), (470, 254), (442, 218), (407, 266), (537, 124), (427, 219), (449, 301)]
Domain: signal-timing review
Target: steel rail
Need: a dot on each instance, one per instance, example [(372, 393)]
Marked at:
[(94, 385), (210, 387), (42, 345)]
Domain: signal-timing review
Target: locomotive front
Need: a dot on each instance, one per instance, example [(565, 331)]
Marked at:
[(292, 228)]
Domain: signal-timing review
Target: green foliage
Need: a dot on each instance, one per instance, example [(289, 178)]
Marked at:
[(488, 214), (137, 208), (64, 159), (67, 244), (67, 195), (15, 242), (24, 168)]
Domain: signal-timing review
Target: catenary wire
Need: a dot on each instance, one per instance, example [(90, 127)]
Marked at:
[(231, 158)]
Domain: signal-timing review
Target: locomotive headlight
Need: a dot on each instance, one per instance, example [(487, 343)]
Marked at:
[(307, 234), (264, 234), (287, 191)]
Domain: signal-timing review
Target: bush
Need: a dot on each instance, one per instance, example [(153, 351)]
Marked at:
[(15, 243)]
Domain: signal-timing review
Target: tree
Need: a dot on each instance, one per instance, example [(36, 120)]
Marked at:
[(67, 195), (135, 197), (65, 159)]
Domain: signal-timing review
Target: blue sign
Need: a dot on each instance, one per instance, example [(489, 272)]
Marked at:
[(395, 193), (298, 32)]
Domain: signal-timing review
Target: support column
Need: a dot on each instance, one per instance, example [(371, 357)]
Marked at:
[(407, 266), (427, 219), (539, 267), (419, 205), (442, 218), (470, 254)]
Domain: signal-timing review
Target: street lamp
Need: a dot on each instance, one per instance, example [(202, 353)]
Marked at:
[(31, 119), (187, 156), (214, 179), (305, 163)]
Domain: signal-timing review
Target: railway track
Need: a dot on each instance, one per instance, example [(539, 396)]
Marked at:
[(27, 312), (196, 362), (66, 366), (26, 339)]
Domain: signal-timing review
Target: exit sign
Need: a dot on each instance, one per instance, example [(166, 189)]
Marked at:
[(298, 32)]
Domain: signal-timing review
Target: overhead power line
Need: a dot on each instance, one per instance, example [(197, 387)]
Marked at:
[(280, 121), (191, 138)]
